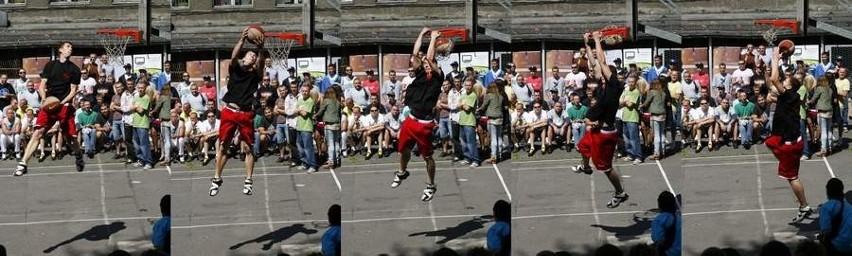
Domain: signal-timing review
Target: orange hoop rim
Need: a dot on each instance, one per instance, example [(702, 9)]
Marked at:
[(454, 32), (780, 23), (299, 38), (135, 34)]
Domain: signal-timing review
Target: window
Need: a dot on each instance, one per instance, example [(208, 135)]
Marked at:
[(68, 1), (180, 3), (20, 2), (287, 2), (221, 3)]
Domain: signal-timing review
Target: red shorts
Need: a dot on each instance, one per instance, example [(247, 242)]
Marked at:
[(233, 120), (65, 117), (788, 154), (600, 147), (416, 131)]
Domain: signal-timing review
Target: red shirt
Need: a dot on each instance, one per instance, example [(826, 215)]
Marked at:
[(372, 87), (703, 80), (534, 82), (209, 92)]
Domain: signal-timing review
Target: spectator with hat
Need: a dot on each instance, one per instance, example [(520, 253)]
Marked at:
[(534, 80), (619, 68), (292, 77), (208, 89), (371, 83), (701, 76), (455, 72), (128, 75), (838, 62)]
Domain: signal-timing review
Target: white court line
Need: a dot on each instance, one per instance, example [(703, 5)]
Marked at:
[(266, 195), (538, 168), (760, 196), (70, 221), (500, 176), (739, 163), (665, 177), (336, 181), (595, 206), (573, 214), (434, 223), (717, 157), (830, 171), (413, 218)]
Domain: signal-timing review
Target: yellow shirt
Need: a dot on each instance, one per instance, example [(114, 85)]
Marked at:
[(842, 85), (675, 89)]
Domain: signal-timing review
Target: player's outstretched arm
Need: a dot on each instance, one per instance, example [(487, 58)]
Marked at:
[(430, 54), (415, 58), (601, 55), (774, 77), (260, 63), (236, 52)]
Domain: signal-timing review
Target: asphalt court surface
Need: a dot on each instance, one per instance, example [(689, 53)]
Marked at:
[(54, 210), (287, 211), (559, 210), (736, 199), (458, 217)]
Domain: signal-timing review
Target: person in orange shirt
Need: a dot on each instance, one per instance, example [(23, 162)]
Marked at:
[(208, 89), (371, 83), (534, 80)]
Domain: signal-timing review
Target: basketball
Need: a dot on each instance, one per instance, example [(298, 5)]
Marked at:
[(255, 34), (51, 104), (443, 46), (786, 47)]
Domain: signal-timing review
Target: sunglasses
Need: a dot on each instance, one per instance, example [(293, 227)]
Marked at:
[(373, 110), (210, 116), (537, 107), (348, 70), (703, 103)]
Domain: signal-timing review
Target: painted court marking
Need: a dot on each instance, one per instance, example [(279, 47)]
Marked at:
[(500, 176)]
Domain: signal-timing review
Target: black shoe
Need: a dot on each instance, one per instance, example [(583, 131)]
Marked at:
[(79, 163), (42, 157), (747, 146), (21, 170), (280, 160), (91, 155)]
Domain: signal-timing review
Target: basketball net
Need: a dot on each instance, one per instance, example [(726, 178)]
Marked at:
[(771, 35), (612, 39), (115, 46), (279, 49), (445, 55)]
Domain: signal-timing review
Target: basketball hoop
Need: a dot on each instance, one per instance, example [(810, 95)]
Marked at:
[(278, 45), (115, 42), (770, 35), (444, 45)]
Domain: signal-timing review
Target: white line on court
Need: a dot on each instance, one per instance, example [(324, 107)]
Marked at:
[(717, 157), (103, 200), (760, 196), (738, 163), (70, 221), (336, 181), (245, 224), (739, 211), (539, 168), (500, 176), (595, 207), (830, 171), (665, 177), (266, 195), (434, 223)]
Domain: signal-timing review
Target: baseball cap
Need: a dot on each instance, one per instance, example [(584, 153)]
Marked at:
[(454, 64)]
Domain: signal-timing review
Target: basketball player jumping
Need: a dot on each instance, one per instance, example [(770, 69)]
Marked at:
[(245, 71), (60, 77), (600, 139), (421, 96), (785, 141)]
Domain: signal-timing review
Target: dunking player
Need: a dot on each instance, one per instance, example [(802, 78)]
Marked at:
[(785, 141), (60, 77), (600, 140), (245, 74), (421, 96)]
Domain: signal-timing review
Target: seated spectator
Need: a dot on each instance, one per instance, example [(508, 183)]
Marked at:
[(331, 237), (835, 220), (161, 233), (11, 134), (372, 129), (499, 238)]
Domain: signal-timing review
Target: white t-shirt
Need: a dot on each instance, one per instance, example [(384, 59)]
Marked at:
[(195, 102), (453, 100), (577, 80), (367, 121), (697, 114), (88, 85), (744, 74), (393, 123), (192, 129), (557, 119), (126, 104), (206, 127), (516, 116), (32, 98), (531, 117), (725, 116), (290, 104)]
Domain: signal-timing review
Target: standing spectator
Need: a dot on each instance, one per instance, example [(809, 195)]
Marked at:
[(11, 134), (675, 91), (629, 102), (700, 76), (690, 88), (391, 88), (281, 127), (163, 78), (454, 103), (467, 123), (534, 80), (127, 76), (32, 96), (330, 113), (722, 82), (843, 96), (444, 123), (765, 59), (371, 84), (141, 126), (822, 100), (824, 65), (291, 111), (162, 109), (454, 73), (835, 220), (20, 84), (656, 70), (358, 94), (329, 79), (576, 114), (208, 89), (492, 105), (7, 92), (575, 80), (741, 76), (195, 99), (305, 128), (493, 73), (655, 104), (183, 88), (554, 87)]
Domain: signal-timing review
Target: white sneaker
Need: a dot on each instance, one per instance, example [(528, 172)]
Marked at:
[(312, 170), (147, 167), (803, 158), (637, 161)]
